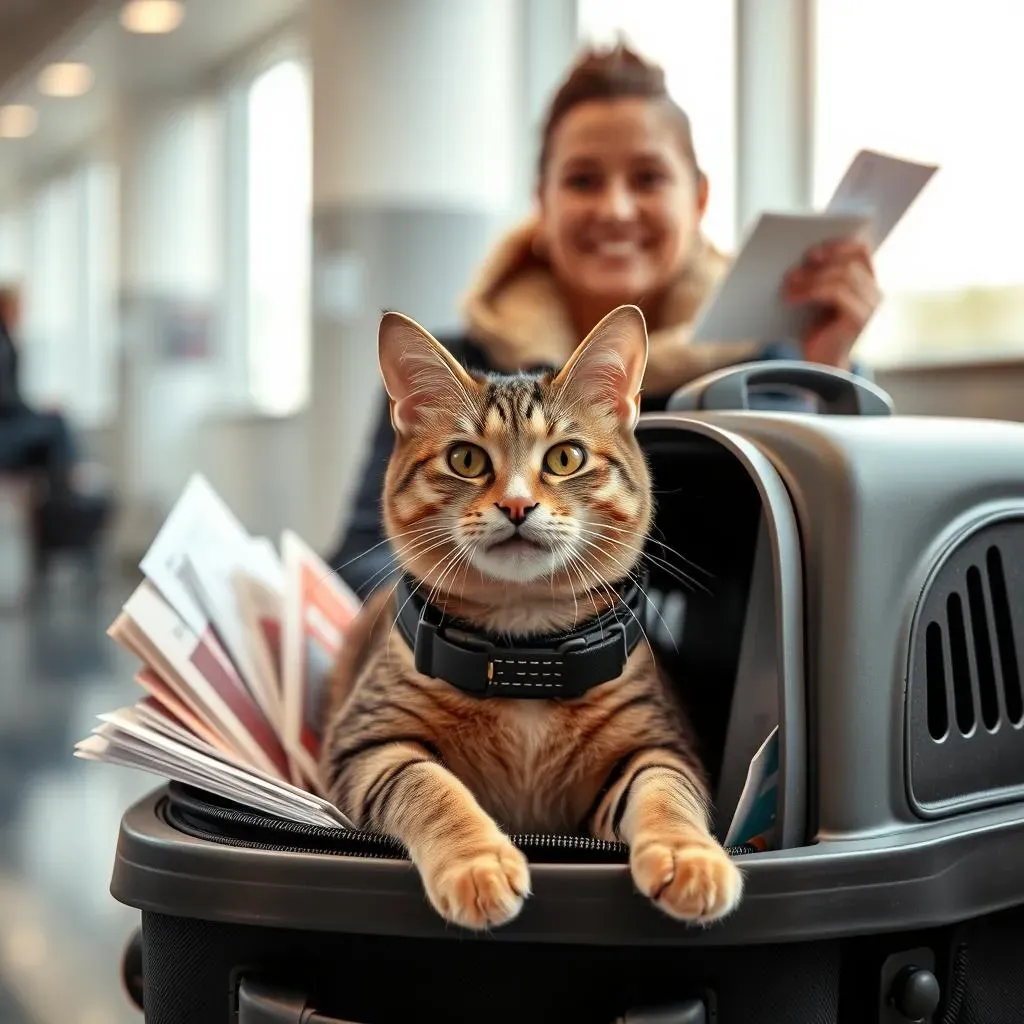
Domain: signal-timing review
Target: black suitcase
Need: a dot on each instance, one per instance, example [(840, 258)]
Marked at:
[(865, 594)]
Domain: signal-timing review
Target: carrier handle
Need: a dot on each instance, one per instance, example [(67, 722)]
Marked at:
[(841, 393), (260, 1003)]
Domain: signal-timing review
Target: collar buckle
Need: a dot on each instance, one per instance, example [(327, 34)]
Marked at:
[(545, 673)]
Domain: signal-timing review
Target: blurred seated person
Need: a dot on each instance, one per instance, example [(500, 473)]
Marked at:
[(620, 197), (38, 446)]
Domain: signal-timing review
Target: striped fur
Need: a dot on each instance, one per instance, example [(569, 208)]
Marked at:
[(450, 775)]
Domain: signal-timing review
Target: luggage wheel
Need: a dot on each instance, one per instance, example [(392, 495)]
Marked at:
[(131, 969)]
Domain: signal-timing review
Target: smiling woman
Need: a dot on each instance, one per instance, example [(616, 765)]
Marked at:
[(621, 194), (621, 197)]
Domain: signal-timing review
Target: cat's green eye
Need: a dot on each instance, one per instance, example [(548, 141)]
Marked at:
[(564, 459), (469, 460)]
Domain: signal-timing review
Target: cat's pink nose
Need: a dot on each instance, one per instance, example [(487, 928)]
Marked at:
[(516, 509)]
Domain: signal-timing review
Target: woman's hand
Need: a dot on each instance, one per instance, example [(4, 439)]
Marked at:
[(838, 276)]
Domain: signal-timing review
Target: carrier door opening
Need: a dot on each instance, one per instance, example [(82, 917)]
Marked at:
[(714, 616)]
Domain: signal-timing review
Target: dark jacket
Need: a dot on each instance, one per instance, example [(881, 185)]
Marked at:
[(361, 559)]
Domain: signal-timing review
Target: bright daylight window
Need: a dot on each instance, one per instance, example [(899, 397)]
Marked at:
[(938, 82), (49, 333), (279, 213), (59, 250), (695, 42), (98, 344)]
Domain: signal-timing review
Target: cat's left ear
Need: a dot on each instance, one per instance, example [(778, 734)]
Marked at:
[(608, 366), (421, 376)]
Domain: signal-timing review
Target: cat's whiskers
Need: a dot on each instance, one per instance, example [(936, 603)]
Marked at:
[(380, 543), (443, 564), (601, 584), (636, 582), (575, 562), (436, 538), (565, 553), (376, 578), (452, 565), (559, 539), (641, 555), (671, 550), (579, 536), (661, 563), (419, 583), (465, 554), (385, 604), (468, 564), (437, 535), (426, 551), (643, 632)]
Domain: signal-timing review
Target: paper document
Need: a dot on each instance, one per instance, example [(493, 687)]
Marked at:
[(749, 305), (236, 642), (754, 819), (261, 610), (869, 201), (316, 619), (192, 561), (199, 525), (880, 187), (211, 578), (197, 668)]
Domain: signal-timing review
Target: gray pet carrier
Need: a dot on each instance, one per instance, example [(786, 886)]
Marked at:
[(859, 601)]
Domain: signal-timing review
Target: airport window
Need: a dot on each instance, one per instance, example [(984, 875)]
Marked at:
[(279, 190), (932, 82)]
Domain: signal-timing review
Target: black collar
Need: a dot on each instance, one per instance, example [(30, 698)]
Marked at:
[(559, 666)]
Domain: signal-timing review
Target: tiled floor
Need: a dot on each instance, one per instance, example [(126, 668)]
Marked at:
[(61, 933)]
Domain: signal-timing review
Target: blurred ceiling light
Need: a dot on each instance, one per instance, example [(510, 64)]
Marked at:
[(152, 17), (65, 79), (17, 121)]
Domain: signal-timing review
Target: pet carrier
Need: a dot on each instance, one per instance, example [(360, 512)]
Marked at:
[(861, 609)]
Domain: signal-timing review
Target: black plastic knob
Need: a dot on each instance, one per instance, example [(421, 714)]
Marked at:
[(915, 993)]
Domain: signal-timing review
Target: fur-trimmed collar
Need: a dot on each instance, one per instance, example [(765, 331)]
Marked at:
[(515, 311)]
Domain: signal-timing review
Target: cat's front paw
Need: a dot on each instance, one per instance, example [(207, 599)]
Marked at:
[(482, 889), (690, 877)]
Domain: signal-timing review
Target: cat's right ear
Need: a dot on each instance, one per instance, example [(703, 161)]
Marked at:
[(420, 374)]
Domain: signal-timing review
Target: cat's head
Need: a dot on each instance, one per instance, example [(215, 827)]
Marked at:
[(533, 482)]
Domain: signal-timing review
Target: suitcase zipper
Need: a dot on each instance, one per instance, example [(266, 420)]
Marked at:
[(198, 815)]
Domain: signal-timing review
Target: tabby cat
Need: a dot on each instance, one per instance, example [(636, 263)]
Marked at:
[(516, 502)]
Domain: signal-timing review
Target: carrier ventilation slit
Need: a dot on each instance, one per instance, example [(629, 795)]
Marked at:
[(981, 651), (938, 716), (981, 632), (960, 669), (965, 726), (1004, 636)]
